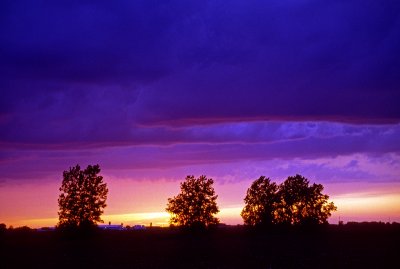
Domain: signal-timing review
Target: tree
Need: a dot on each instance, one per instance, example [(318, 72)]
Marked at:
[(303, 204), (83, 197), (3, 228), (195, 205), (294, 201), (260, 203)]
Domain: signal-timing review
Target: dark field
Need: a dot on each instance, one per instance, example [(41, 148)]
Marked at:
[(349, 246)]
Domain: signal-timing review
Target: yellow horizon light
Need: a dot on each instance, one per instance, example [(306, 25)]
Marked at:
[(360, 206)]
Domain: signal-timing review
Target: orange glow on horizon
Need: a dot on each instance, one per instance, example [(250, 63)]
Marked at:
[(130, 203), (364, 207)]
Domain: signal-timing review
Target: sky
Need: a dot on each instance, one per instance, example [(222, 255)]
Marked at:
[(153, 91)]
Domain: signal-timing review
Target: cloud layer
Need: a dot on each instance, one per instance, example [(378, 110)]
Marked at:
[(86, 70), (147, 85)]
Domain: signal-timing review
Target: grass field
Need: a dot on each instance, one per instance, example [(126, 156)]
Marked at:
[(348, 246)]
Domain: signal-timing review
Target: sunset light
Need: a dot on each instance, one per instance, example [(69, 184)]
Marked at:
[(199, 134), (150, 93)]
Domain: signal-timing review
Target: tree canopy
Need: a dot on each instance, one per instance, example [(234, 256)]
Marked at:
[(195, 205), (83, 197), (260, 202), (294, 201), (302, 203)]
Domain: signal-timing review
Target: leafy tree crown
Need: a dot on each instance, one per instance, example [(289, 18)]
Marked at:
[(83, 197), (195, 205), (260, 202), (294, 201)]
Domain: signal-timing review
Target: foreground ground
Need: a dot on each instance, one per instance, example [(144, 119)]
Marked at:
[(360, 246)]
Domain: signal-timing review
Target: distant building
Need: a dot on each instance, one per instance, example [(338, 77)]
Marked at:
[(111, 227), (139, 227)]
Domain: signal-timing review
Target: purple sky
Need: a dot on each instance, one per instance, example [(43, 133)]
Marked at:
[(156, 90)]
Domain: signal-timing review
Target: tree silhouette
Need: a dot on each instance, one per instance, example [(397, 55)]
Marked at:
[(3, 228), (260, 202), (83, 197), (294, 201), (195, 205), (303, 204)]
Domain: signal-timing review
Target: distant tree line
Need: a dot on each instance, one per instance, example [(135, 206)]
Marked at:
[(294, 202)]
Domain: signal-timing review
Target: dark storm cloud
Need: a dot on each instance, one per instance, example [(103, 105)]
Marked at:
[(91, 71), (84, 41), (334, 61)]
